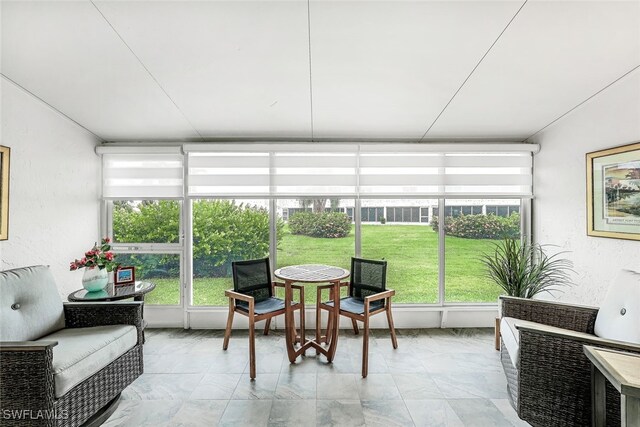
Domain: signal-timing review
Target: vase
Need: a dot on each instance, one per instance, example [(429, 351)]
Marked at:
[(94, 279)]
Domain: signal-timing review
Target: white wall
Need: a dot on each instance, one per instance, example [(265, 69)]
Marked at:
[(609, 119), (54, 193)]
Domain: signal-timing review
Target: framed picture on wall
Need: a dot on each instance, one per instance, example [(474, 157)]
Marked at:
[(4, 192), (613, 192), (124, 276)]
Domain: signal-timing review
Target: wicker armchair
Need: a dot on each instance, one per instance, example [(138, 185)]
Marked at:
[(550, 384), (31, 382)]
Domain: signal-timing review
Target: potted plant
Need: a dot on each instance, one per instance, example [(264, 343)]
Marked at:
[(97, 262), (524, 269)]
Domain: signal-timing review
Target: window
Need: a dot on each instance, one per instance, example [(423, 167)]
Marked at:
[(503, 210), (163, 270), (456, 211), (225, 231), (371, 214), (424, 214), (473, 235), (244, 200), (146, 235), (403, 214), (411, 251), (315, 241)]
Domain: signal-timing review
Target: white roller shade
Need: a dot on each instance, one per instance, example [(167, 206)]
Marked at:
[(272, 170), (143, 176), (228, 174), (389, 170), (313, 169), (314, 174)]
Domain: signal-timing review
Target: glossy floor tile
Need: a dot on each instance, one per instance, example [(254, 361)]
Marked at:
[(436, 377)]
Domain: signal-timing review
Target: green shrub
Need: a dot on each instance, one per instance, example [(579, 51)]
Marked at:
[(326, 224), (222, 232), (481, 226), (302, 223), (331, 225)]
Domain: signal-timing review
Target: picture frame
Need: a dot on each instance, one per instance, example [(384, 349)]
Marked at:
[(613, 192), (5, 154), (124, 276)]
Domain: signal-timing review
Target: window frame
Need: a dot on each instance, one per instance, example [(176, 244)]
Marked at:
[(185, 241), (149, 248)]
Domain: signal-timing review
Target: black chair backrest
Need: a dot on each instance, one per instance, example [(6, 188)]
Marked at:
[(368, 277), (253, 278)]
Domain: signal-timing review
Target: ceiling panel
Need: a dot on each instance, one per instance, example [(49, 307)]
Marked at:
[(66, 54), (235, 68), (554, 56), (385, 69)]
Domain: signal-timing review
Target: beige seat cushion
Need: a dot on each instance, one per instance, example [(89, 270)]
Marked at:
[(511, 335), (82, 352)]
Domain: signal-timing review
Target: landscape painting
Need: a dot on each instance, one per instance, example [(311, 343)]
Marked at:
[(613, 192), (622, 187)]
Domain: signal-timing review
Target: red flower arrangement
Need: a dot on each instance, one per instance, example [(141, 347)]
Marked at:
[(98, 256)]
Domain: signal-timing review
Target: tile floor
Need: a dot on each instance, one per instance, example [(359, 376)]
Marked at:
[(435, 378)]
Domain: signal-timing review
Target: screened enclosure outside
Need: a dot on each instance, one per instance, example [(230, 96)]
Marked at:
[(410, 246), (225, 231), (472, 228)]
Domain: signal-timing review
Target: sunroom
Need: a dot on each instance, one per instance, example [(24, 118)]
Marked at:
[(185, 138)]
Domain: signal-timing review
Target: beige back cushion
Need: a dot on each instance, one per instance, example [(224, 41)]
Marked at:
[(30, 305), (619, 314)]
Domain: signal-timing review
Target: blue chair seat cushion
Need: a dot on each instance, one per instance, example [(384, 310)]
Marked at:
[(268, 305), (356, 305)]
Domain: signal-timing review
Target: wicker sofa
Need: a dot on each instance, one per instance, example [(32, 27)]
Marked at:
[(62, 364), (548, 375)]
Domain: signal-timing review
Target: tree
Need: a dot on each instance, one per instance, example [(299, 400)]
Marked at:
[(320, 204)]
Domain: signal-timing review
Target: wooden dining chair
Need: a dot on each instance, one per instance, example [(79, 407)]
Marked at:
[(367, 295), (253, 295)]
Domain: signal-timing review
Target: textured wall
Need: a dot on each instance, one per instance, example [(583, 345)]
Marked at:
[(54, 194), (609, 119)]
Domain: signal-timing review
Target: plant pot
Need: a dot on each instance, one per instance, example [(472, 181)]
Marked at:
[(94, 279)]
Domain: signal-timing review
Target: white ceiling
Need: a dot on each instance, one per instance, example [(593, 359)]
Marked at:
[(317, 69)]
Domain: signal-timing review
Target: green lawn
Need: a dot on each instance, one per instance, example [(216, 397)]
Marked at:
[(412, 253)]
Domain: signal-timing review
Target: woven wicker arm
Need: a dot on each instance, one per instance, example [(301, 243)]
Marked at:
[(555, 377), (84, 315), (561, 315), (26, 382)]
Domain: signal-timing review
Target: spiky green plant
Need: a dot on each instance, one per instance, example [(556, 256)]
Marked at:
[(524, 270)]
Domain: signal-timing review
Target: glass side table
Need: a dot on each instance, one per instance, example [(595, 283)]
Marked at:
[(136, 291)]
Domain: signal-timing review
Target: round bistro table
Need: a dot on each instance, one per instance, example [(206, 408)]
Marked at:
[(313, 274)]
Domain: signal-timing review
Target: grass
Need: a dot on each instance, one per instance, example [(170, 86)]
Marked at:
[(412, 253)]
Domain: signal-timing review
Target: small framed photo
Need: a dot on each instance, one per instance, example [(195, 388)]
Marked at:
[(124, 276), (613, 192)]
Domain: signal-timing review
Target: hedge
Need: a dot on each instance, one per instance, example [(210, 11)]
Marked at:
[(324, 224), (481, 226), (222, 232)]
